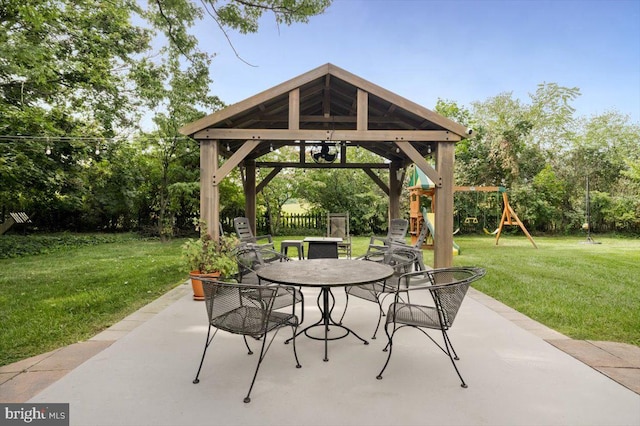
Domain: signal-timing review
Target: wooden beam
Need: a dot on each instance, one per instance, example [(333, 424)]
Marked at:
[(323, 166), (254, 101), (478, 188), (250, 194), (420, 162), (209, 193), (330, 135), (326, 98), (443, 240), (207, 164), (401, 102), (302, 153), (363, 110), (214, 223), (294, 109), (374, 177), (508, 215), (343, 153), (268, 179), (395, 189), (234, 160)]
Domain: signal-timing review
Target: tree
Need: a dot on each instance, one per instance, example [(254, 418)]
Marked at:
[(74, 74), (185, 97), (180, 101), (240, 15), (66, 62), (347, 190), (63, 88)]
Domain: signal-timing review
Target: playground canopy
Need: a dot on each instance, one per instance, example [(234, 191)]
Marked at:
[(419, 180), (328, 108)]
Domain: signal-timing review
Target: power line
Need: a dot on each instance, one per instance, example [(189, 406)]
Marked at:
[(15, 138)]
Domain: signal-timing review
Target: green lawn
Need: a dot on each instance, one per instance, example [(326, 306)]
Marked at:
[(586, 291), (51, 300)]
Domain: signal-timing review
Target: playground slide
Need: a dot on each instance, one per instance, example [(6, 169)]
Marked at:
[(430, 220)]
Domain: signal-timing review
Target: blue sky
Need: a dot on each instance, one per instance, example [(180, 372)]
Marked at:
[(463, 51)]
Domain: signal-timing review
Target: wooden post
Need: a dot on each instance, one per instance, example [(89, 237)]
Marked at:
[(395, 188), (250, 193), (443, 240), (209, 192)]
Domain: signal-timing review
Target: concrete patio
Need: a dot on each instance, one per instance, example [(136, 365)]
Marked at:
[(140, 372)]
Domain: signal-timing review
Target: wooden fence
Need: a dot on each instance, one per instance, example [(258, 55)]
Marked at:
[(290, 224)]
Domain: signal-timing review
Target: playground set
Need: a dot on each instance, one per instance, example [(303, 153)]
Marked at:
[(421, 186)]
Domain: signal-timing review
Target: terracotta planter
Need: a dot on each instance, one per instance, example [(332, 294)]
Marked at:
[(196, 284)]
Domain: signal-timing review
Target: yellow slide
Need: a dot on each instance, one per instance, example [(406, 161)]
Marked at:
[(430, 221)]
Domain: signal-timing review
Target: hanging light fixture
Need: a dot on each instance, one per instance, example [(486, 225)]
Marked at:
[(324, 153)]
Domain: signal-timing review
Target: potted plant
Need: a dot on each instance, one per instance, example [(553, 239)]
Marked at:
[(207, 258)]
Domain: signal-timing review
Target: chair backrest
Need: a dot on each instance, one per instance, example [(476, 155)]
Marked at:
[(421, 236), (450, 286), (338, 225), (402, 261), (243, 229), (239, 308), (397, 230), (250, 258)]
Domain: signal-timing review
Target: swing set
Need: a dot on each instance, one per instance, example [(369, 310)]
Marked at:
[(421, 186), (509, 216)]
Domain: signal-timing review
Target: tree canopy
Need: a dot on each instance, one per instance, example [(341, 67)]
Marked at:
[(76, 77)]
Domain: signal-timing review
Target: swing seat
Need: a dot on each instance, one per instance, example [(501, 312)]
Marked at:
[(486, 231), (471, 220)]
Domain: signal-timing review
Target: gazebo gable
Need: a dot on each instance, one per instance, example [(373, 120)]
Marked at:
[(327, 102)]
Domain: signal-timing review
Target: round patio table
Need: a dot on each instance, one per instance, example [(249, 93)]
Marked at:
[(326, 274)]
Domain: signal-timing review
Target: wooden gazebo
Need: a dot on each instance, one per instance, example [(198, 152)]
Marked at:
[(329, 105)]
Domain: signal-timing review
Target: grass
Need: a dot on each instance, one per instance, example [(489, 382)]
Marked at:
[(54, 299), (581, 290)]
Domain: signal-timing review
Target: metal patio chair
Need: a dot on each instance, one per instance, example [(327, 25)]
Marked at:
[(402, 262), (250, 258), (245, 234), (338, 227), (447, 287), (246, 310)]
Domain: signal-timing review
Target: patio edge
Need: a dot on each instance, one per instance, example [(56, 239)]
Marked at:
[(618, 361)]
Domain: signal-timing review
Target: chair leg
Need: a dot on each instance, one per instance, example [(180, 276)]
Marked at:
[(295, 353), (247, 345), (380, 314), (206, 346), (455, 355), (390, 346), (447, 344), (247, 398)]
